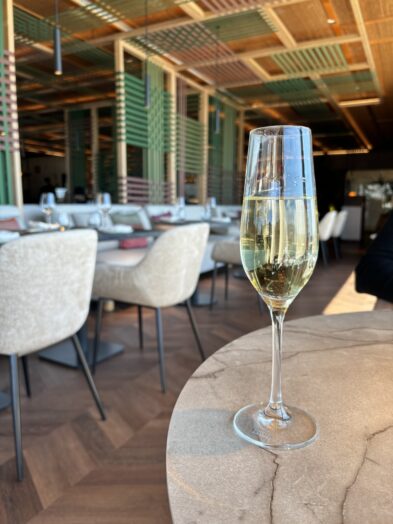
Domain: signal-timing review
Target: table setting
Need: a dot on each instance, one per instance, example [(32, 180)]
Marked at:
[(234, 456)]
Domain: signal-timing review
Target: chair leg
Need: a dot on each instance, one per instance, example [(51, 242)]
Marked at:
[(160, 347), (324, 252), (25, 367), (88, 375), (15, 403), (97, 334), (213, 288), (226, 280), (337, 248), (140, 327), (195, 329)]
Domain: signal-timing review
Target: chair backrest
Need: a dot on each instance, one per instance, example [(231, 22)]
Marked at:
[(326, 226), (227, 251), (339, 223), (46, 283), (169, 272)]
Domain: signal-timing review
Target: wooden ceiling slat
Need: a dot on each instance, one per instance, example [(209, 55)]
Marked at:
[(245, 58)]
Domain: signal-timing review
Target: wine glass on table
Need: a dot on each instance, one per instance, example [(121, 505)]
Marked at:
[(104, 204), (48, 205), (279, 250)]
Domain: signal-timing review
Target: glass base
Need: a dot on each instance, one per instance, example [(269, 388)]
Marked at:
[(254, 424)]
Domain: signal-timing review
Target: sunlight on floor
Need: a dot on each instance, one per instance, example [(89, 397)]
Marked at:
[(347, 300)]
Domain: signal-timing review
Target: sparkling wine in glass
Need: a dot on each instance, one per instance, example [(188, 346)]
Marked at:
[(48, 205), (279, 250)]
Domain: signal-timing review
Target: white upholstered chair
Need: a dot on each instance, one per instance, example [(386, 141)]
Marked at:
[(167, 276), (339, 224), (326, 226), (46, 282), (226, 252)]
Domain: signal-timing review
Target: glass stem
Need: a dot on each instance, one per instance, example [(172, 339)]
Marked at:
[(276, 408)]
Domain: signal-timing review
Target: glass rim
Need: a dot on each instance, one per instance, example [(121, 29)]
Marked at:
[(266, 130)]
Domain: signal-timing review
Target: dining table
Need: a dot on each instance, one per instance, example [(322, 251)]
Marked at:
[(339, 368)]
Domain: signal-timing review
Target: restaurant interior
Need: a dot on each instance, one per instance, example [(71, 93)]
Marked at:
[(152, 238)]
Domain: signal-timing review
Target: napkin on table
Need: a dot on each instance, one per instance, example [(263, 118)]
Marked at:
[(117, 228)]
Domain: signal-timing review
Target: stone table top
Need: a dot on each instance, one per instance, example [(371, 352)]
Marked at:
[(339, 369)]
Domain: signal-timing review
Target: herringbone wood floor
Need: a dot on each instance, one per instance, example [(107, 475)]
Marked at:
[(80, 470)]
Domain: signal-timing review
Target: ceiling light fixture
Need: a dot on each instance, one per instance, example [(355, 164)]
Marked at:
[(331, 21), (58, 71), (336, 152), (360, 102)]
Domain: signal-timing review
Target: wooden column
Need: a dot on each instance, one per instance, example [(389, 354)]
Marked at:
[(204, 120), (172, 167), (121, 148), (9, 43)]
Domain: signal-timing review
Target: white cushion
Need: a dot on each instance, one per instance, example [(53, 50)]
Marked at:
[(121, 257)]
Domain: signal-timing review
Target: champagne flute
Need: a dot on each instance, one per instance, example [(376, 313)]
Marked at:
[(279, 250), (48, 205)]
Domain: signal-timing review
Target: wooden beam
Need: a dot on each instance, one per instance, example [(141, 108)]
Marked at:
[(353, 67), (195, 14), (262, 53), (257, 69), (153, 28), (366, 44), (358, 130), (282, 32), (164, 64), (341, 110), (193, 10)]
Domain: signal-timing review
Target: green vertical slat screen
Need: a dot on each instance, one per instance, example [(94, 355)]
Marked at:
[(154, 165), (152, 128), (228, 154), (190, 150), (215, 151), (222, 153), (106, 158), (6, 138), (77, 143)]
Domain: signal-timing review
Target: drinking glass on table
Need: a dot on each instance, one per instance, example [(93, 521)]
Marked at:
[(60, 193), (95, 220), (279, 249), (104, 204), (180, 210), (48, 205), (64, 220)]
